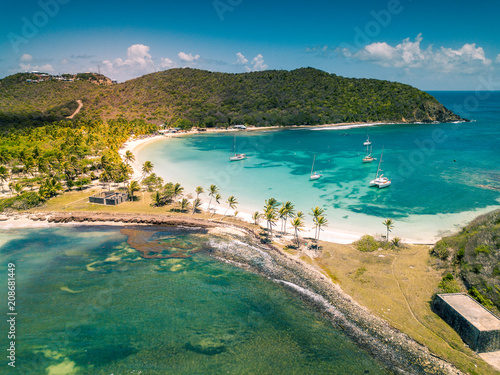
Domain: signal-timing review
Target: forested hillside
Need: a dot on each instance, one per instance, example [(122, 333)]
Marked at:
[(195, 97)]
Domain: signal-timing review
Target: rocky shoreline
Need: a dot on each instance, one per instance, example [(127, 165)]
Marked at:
[(394, 349)]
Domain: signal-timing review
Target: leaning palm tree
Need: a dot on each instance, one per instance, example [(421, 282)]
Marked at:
[(271, 217), (320, 222), (256, 216), (147, 168), (232, 202), (286, 210), (129, 157), (389, 224), (217, 201), (297, 224), (199, 190), (132, 187), (316, 213), (212, 192), (177, 190), (124, 171), (196, 205)]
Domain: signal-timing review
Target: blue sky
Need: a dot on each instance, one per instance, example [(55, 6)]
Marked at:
[(433, 45)]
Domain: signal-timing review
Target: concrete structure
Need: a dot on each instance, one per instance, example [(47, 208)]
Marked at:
[(478, 327), (110, 198)]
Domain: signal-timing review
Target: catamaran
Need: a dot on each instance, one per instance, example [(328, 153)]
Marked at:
[(236, 156), (315, 175), (380, 180)]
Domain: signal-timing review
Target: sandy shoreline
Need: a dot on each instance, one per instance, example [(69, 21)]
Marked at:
[(340, 236)]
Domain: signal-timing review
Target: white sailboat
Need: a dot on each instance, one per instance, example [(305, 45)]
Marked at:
[(315, 175), (380, 180), (367, 142), (368, 157), (236, 156)]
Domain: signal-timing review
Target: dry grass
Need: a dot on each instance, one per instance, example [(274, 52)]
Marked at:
[(398, 287)]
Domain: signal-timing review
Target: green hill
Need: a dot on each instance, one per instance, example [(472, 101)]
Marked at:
[(473, 257), (301, 97)]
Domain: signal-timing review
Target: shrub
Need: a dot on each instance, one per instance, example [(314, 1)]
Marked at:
[(482, 249), (441, 250), (449, 285), (366, 244), (474, 293)]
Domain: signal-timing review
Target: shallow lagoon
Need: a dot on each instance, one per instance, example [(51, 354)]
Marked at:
[(88, 303)]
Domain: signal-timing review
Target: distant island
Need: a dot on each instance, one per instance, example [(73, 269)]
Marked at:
[(191, 97)]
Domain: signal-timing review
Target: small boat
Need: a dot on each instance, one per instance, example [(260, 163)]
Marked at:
[(368, 157), (367, 142), (315, 175), (380, 180), (236, 156)]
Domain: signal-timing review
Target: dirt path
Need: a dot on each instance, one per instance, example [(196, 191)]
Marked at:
[(80, 105)]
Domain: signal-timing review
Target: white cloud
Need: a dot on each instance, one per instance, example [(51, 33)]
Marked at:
[(40, 68), (241, 59), (257, 64), (166, 63), (137, 63), (64, 61), (188, 57), (26, 57), (409, 54), (497, 60)]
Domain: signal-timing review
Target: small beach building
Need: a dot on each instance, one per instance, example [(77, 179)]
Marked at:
[(109, 198), (478, 327), (240, 127)]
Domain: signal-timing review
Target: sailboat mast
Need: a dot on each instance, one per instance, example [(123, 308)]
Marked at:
[(312, 168)]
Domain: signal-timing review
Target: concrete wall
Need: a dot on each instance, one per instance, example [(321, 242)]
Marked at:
[(478, 340)]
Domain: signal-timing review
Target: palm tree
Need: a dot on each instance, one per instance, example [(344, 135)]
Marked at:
[(147, 168), (316, 213), (132, 187), (196, 205), (157, 199), (256, 216), (199, 190), (49, 188), (213, 190), (298, 224), (232, 202), (17, 187), (389, 224), (184, 204), (271, 217), (177, 190), (129, 157), (286, 210), (320, 222), (217, 201), (4, 175), (124, 170)]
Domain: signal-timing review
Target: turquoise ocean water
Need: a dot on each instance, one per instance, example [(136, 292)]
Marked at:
[(87, 303), (443, 175)]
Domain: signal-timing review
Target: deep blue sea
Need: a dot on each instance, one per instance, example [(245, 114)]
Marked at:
[(443, 175)]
